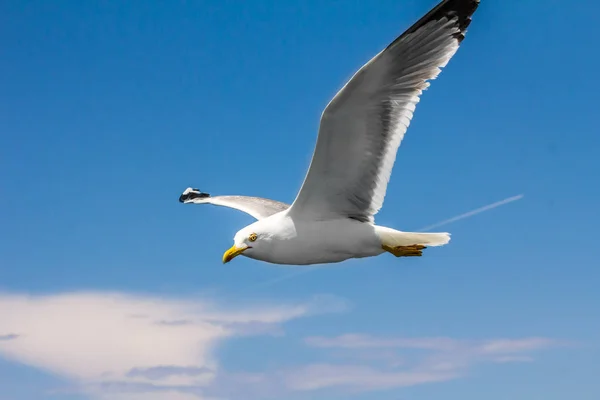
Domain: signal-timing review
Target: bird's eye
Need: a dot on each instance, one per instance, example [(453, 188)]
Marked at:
[(252, 237)]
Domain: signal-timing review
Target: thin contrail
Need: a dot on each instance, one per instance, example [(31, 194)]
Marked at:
[(473, 212), (427, 228)]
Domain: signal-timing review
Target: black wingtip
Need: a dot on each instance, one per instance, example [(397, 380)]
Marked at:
[(190, 194), (463, 10)]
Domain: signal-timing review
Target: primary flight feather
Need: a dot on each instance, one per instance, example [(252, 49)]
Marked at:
[(332, 217)]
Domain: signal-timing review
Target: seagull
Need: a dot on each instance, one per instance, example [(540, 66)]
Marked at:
[(332, 218)]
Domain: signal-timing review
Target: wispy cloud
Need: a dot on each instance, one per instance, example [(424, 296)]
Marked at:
[(166, 371), (437, 359), (357, 341), (127, 347), (493, 346), (321, 376), (121, 343)]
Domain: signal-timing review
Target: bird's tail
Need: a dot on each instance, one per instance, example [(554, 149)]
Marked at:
[(393, 238)]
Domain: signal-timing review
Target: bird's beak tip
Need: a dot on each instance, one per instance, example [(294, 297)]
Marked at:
[(233, 252)]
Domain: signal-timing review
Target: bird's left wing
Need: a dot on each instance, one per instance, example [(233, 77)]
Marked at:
[(257, 207)]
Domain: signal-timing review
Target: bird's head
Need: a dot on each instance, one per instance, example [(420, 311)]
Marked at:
[(248, 241)]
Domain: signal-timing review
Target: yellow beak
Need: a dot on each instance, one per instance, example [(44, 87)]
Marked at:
[(233, 252)]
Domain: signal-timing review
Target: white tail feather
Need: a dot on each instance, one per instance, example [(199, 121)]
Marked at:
[(391, 237)]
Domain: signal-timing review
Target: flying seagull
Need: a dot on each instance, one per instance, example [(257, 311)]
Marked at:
[(332, 217)]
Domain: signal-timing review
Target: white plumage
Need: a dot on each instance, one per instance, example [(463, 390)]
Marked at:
[(332, 217)]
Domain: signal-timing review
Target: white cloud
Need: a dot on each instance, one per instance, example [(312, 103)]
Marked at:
[(116, 346), (503, 346), (513, 359), (320, 376), (130, 344), (490, 346), (357, 341), (163, 395)]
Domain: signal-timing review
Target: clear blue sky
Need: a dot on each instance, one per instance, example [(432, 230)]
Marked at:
[(111, 289)]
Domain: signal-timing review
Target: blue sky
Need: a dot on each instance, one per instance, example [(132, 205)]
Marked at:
[(111, 289)]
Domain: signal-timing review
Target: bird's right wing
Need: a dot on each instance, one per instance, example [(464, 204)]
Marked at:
[(257, 207), (363, 125)]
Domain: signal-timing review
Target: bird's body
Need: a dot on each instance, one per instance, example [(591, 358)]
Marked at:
[(297, 241), (301, 242), (332, 217)]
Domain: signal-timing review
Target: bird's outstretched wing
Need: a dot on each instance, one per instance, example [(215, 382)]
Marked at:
[(257, 207), (363, 125)]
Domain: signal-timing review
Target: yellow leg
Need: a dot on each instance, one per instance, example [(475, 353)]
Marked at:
[(416, 250)]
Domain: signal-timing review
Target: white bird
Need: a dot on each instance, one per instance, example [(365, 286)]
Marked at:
[(332, 217)]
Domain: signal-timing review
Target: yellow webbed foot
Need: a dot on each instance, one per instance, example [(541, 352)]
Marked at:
[(415, 250)]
